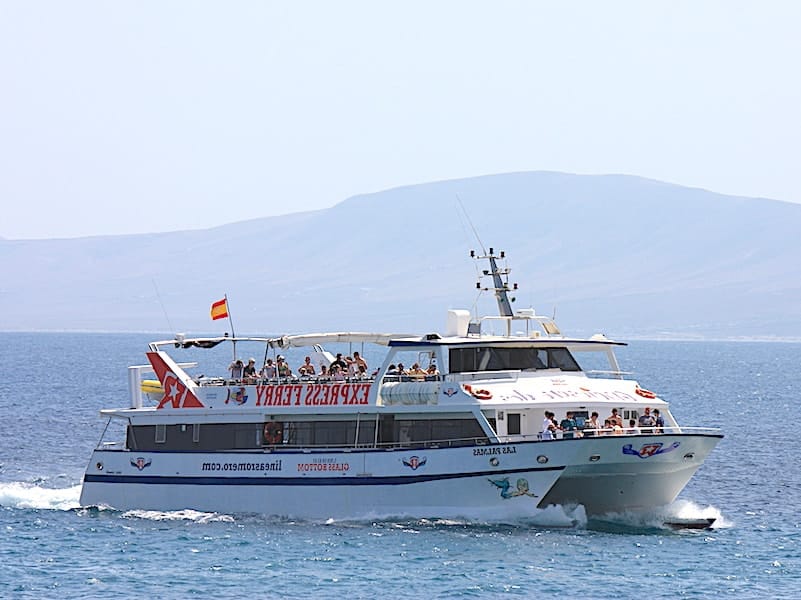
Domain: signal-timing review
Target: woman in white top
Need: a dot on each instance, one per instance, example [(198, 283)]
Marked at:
[(547, 427), (268, 371)]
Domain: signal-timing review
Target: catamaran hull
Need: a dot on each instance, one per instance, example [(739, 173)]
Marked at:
[(487, 482), (620, 473)]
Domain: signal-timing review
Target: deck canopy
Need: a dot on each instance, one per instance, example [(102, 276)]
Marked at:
[(288, 341)]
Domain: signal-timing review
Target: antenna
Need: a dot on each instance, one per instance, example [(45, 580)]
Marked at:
[(469, 222), (166, 316)]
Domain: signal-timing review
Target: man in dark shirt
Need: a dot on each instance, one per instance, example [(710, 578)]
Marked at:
[(647, 421), (568, 426), (659, 422), (338, 361)]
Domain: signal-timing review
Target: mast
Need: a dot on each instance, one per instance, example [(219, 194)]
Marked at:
[(500, 281)]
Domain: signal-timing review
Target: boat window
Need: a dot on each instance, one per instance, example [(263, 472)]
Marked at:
[(216, 436), (631, 414), (320, 433), (431, 432), (310, 434), (580, 417), (495, 358), (513, 424)]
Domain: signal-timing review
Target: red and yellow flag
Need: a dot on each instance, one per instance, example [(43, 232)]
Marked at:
[(219, 310)]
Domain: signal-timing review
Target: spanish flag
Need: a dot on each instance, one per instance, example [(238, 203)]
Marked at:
[(219, 310)]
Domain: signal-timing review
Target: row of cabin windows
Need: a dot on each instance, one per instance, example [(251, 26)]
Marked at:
[(493, 358), (391, 432)]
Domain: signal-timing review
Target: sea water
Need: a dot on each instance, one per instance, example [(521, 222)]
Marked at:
[(52, 386)]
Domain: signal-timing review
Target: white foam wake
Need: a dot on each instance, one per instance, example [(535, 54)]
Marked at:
[(27, 495), (178, 515), (660, 517), (686, 509)]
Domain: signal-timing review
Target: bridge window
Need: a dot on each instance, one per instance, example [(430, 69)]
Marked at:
[(495, 358)]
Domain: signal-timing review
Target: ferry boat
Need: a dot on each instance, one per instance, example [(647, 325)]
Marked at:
[(463, 434)]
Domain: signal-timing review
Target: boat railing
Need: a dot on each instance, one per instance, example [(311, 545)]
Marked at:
[(222, 381), (599, 373), (440, 443), (511, 375), (628, 432), (410, 378)]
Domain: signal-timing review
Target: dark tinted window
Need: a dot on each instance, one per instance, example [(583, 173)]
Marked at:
[(310, 434), (504, 359)]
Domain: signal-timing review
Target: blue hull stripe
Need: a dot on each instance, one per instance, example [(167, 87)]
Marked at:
[(311, 481)]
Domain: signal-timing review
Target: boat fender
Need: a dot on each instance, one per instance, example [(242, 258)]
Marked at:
[(151, 386), (645, 393), (273, 433)]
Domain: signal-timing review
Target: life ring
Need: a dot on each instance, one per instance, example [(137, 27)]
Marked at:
[(645, 393), (478, 394), (273, 433)]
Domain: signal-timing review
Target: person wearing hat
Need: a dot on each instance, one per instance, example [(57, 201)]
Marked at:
[(283, 368)]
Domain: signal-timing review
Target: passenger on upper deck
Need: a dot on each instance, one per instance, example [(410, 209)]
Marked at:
[(416, 371), (307, 368), (237, 368), (337, 373), (633, 427), (360, 362), (268, 371), (249, 372), (432, 370), (283, 368), (351, 370), (401, 370), (339, 362), (324, 373)]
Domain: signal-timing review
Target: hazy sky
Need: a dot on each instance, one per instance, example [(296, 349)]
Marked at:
[(150, 116)]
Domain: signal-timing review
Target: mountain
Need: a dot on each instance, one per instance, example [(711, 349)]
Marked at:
[(628, 256)]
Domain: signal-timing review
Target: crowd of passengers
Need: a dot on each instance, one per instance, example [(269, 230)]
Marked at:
[(341, 369), (568, 428)]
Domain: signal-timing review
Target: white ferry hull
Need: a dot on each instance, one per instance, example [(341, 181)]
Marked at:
[(487, 482), (620, 473)]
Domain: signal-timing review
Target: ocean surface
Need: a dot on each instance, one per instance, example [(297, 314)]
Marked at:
[(53, 385)]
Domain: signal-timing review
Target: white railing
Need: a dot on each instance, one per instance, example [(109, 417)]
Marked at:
[(624, 432)]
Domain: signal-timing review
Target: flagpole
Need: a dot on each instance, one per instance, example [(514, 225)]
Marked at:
[(230, 321)]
